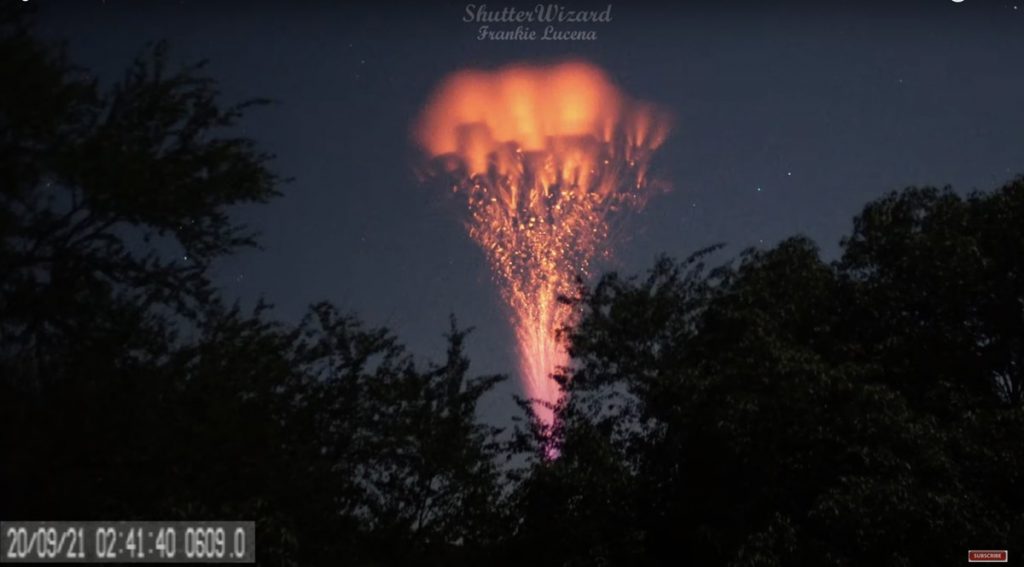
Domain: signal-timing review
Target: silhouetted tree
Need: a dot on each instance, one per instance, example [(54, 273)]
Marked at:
[(128, 389), (776, 410), (789, 411), (113, 202)]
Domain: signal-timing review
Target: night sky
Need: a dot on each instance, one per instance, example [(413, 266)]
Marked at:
[(789, 118)]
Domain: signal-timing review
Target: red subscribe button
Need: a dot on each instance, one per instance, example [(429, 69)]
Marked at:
[(987, 556)]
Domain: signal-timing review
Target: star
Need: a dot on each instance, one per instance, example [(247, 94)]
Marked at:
[(758, 188)]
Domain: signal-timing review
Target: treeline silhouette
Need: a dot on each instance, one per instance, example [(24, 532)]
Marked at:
[(776, 410)]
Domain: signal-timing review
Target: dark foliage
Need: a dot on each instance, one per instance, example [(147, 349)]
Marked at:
[(778, 410), (789, 411)]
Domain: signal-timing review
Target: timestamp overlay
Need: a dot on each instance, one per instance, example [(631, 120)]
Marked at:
[(127, 542)]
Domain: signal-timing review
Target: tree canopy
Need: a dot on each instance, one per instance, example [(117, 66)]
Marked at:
[(779, 409)]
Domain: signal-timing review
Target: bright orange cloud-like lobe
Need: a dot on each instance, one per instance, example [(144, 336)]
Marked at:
[(545, 156)]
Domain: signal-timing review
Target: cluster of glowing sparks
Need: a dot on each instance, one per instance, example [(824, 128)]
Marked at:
[(545, 157)]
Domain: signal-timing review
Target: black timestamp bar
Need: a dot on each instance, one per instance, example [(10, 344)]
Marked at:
[(127, 542)]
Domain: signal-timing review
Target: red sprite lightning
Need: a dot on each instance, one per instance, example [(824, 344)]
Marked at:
[(545, 156)]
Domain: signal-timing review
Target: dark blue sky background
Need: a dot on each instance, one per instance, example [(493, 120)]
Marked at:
[(823, 106)]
